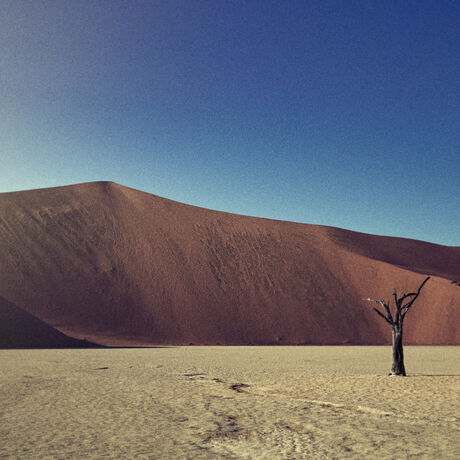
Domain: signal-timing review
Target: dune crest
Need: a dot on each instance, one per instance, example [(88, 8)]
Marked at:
[(118, 266)]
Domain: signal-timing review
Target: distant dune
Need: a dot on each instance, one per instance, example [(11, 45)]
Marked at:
[(116, 266)]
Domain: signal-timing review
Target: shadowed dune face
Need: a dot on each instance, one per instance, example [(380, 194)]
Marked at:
[(19, 329), (121, 267)]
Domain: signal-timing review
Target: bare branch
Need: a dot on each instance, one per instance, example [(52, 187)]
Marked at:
[(406, 295), (395, 295), (387, 318), (384, 305), (383, 316), (380, 302), (399, 300), (409, 304), (387, 309)]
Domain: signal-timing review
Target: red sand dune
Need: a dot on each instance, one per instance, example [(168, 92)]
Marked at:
[(19, 329), (117, 266)]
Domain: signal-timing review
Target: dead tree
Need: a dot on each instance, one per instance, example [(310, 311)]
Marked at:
[(403, 305)]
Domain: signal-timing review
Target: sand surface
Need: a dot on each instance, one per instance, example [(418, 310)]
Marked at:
[(229, 402), (116, 266)]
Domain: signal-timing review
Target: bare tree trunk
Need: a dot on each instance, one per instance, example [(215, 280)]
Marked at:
[(402, 304), (398, 355)]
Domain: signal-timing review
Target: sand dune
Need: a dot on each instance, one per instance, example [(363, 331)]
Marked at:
[(117, 266), (19, 329)]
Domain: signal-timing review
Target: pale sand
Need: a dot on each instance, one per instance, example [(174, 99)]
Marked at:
[(229, 402)]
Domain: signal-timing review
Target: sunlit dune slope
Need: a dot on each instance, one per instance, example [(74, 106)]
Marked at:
[(110, 264)]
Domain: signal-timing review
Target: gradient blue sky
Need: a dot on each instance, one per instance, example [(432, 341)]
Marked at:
[(342, 113)]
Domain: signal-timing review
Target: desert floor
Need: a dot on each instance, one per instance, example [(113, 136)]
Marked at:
[(229, 402)]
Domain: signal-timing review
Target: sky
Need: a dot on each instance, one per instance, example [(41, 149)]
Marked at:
[(340, 113)]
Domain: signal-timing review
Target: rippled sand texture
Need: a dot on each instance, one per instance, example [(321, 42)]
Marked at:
[(229, 402)]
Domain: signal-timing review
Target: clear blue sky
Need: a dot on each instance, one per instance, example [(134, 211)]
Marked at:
[(342, 113)]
